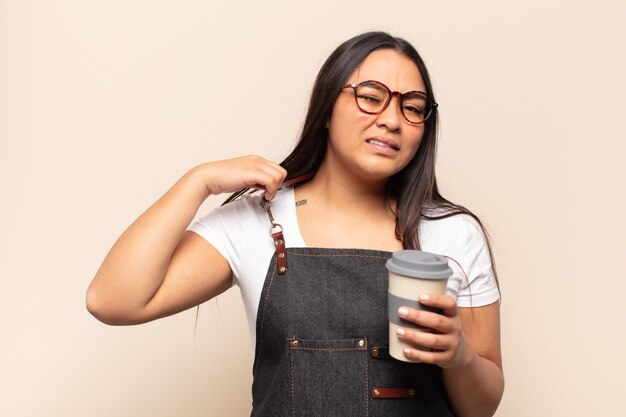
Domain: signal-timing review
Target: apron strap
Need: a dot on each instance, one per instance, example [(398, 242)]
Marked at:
[(276, 230)]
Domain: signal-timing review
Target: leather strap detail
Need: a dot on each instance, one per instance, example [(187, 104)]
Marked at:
[(299, 178), (377, 352), (381, 393), (276, 230), (281, 256)]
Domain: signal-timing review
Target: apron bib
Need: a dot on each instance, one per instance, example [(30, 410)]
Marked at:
[(322, 337)]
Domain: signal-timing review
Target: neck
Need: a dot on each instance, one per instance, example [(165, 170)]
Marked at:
[(337, 190)]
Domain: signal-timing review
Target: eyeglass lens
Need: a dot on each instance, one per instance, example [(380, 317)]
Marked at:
[(373, 98)]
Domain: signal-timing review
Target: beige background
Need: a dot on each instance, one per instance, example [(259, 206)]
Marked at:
[(104, 104)]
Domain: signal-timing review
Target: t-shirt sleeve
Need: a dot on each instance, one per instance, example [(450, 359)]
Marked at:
[(460, 239), (476, 284), (223, 228)]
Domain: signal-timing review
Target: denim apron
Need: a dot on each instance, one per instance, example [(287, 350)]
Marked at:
[(322, 336)]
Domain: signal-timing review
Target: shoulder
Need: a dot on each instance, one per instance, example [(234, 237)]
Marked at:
[(451, 231), (226, 226), (243, 206), (460, 238), (244, 214), (239, 231)]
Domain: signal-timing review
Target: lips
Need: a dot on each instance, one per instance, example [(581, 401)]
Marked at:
[(383, 142)]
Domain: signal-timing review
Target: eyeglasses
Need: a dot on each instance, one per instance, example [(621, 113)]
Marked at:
[(373, 97)]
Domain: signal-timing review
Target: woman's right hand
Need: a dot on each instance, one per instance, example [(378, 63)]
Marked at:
[(230, 175), (156, 268)]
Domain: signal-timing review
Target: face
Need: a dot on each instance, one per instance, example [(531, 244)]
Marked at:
[(375, 146)]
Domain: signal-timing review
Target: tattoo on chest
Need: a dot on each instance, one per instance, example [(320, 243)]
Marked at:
[(300, 202)]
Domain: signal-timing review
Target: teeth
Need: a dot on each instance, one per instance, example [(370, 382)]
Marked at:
[(377, 142)]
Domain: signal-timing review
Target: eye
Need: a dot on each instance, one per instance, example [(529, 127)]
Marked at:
[(411, 108), (369, 98), (414, 103)]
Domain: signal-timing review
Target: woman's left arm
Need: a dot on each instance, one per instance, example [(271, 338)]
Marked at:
[(466, 344)]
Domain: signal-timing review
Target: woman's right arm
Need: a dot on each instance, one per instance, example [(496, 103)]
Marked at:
[(156, 268)]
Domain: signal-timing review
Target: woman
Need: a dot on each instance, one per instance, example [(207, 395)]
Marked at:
[(317, 309)]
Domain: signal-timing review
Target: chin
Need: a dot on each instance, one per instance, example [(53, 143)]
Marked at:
[(380, 173)]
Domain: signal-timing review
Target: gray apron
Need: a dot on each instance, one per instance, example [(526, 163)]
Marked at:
[(321, 341)]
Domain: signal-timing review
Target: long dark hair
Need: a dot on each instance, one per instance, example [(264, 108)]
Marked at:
[(414, 188)]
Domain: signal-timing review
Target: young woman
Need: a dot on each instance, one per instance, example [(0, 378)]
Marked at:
[(359, 185)]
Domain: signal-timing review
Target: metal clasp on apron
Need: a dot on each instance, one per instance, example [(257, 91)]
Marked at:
[(276, 233), (276, 230)]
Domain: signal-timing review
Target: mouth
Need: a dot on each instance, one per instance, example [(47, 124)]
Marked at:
[(383, 143)]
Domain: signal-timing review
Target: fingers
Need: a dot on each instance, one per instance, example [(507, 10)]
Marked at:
[(441, 323), (434, 342), (440, 343), (444, 302), (271, 176), (248, 171), (442, 358)]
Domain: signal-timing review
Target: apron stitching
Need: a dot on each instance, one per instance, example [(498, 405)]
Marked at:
[(293, 394), (329, 349), (338, 256), (267, 293), (367, 384)]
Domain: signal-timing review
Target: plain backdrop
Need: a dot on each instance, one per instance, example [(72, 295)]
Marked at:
[(105, 104)]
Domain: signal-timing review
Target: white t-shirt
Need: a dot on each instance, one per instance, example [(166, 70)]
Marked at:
[(240, 231)]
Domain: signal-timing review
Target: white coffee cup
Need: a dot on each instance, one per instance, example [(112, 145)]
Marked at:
[(412, 273)]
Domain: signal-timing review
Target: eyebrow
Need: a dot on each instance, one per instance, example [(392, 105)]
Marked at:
[(381, 88), (377, 87), (416, 93)]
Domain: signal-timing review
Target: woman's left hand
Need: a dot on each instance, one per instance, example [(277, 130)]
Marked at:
[(446, 346)]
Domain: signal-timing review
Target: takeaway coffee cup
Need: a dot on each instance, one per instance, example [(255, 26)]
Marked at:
[(412, 273)]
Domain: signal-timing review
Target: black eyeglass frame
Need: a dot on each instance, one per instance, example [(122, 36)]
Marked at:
[(431, 105)]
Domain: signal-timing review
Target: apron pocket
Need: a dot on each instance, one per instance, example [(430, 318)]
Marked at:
[(328, 377)]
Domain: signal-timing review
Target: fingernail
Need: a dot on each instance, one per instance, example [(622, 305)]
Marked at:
[(403, 311), (424, 297), (400, 331), (407, 351)]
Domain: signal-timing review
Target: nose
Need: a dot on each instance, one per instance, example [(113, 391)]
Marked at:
[(391, 115)]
